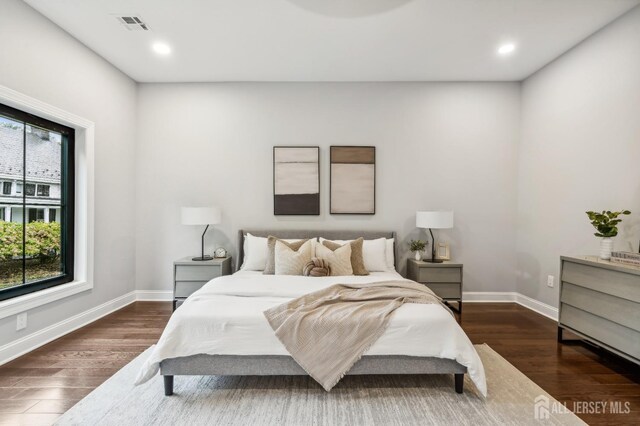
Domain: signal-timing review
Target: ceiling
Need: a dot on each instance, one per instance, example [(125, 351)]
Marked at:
[(332, 40)]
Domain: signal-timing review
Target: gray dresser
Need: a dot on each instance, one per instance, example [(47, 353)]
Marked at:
[(600, 302), (444, 279), (189, 275)]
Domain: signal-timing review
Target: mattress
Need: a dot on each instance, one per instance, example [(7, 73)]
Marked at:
[(225, 317)]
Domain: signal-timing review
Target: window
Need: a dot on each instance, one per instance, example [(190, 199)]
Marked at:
[(40, 235), (6, 188), (35, 215), (30, 189), (43, 190)]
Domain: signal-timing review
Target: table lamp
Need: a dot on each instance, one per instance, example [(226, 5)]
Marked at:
[(201, 216), (434, 220)]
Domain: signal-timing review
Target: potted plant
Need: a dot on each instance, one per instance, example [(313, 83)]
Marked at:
[(417, 246), (606, 223)]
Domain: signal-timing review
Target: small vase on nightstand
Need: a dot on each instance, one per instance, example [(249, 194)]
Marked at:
[(418, 255), (606, 245)]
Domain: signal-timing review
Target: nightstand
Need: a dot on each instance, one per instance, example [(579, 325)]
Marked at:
[(444, 279), (189, 275)]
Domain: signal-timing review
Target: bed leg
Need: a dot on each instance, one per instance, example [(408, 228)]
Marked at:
[(459, 379), (168, 385)]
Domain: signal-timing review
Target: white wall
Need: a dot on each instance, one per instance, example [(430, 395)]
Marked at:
[(39, 59), (439, 146), (580, 151)]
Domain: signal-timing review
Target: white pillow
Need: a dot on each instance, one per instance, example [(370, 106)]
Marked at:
[(256, 251), (391, 256), (290, 262), (339, 260), (374, 253)]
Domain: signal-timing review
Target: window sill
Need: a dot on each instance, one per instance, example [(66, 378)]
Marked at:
[(29, 301)]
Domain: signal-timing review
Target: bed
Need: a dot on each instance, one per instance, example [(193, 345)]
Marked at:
[(221, 329)]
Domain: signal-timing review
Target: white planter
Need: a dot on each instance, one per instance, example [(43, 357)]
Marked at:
[(418, 255), (606, 245)]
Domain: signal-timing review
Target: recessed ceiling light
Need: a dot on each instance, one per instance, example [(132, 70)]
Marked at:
[(506, 49), (161, 48)]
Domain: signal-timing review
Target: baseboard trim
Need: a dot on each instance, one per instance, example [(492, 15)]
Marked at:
[(154, 295), (513, 297), (537, 306), (488, 296), (41, 337)]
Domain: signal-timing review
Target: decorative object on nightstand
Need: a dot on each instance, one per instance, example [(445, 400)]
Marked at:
[(201, 216), (606, 223), (220, 253), (434, 220), (189, 275), (417, 246), (444, 279), (443, 252)]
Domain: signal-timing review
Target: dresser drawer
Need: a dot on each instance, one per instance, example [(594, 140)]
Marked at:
[(621, 311), (197, 273), (615, 283), (440, 275), (446, 290), (614, 335), (186, 288)]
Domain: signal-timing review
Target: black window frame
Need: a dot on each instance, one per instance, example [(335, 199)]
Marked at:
[(67, 204), (28, 192), (40, 191), (4, 185)]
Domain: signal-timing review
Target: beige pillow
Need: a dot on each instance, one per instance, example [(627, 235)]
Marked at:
[(339, 259), (289, 261), (270, 267), (357, 261)]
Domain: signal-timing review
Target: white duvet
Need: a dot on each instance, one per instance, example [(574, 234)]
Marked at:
[(225, 317)]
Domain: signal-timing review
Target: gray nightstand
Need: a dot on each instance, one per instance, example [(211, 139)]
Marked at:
[(189, 275), (444, 279)]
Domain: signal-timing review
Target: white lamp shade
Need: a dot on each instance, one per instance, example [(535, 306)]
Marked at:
[(200, 215), (434, 220)]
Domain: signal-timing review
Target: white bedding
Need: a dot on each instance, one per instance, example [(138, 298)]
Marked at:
[(225, 317)]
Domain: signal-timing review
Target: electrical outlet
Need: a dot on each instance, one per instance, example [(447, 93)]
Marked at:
[(550, 279), (21, 321)]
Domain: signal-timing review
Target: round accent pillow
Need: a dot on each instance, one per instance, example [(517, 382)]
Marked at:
[(316, 268)]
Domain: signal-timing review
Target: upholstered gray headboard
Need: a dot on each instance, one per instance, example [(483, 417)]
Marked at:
[(305, 233)]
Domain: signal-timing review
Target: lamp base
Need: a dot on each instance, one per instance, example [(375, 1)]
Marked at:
[(433, 260), (201, 258)]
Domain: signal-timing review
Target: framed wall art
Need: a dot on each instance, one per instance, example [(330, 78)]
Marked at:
[(443, 252), (296, 180), (353, 180)]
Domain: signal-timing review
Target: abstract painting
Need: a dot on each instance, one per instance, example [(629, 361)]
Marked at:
[(296, 180), (353, 180)]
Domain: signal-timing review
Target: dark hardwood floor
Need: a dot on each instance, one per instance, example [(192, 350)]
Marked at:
[(37, 387)]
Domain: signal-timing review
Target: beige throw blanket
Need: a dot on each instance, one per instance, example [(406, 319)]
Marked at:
[(327, 331)]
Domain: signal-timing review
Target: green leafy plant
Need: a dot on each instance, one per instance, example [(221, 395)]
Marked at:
[(42, 240), (606, 223), (417, 245)]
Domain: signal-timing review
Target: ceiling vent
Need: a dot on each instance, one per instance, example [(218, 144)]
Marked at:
[(133, 23)]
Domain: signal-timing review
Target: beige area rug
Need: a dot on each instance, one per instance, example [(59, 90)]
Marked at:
[(298, 400)]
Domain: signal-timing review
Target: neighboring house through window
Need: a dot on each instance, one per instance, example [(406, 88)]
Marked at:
[(36, 203), (43, 190), (30, 189)]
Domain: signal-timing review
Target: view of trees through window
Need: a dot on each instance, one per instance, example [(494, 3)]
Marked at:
[(31, 203)]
